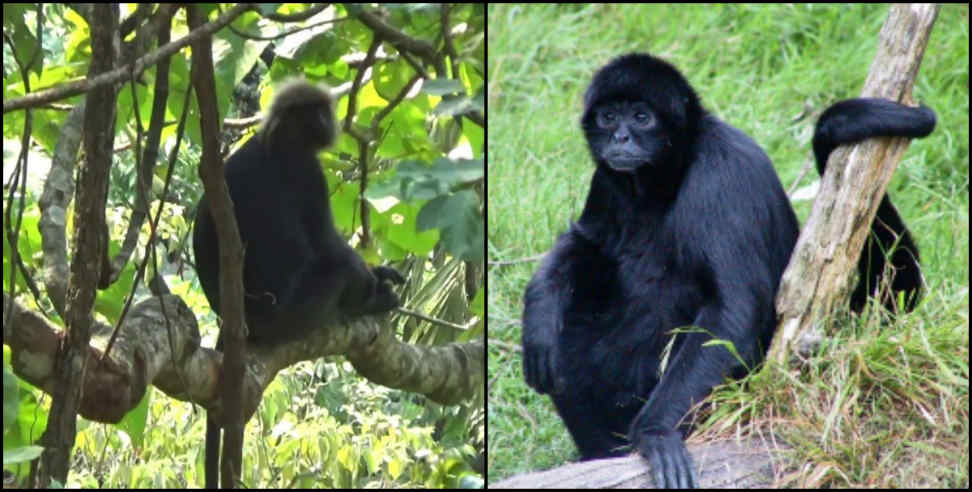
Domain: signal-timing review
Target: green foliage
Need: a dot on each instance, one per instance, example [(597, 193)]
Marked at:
[(28, 246), (24, 418), (448, 208), (343, 432)]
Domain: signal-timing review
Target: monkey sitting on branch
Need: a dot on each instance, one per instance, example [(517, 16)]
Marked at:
[(299, 274)]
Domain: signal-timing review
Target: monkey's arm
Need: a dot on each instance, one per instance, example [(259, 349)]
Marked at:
[(341, 272), (277, 251)]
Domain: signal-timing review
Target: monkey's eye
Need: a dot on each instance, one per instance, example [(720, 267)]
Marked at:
[(644, 118), (606, 118)]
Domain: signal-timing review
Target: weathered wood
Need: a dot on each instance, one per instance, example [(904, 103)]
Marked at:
[(750, 463), (817, 279)]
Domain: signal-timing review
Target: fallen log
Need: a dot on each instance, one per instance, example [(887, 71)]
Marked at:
[(748, 463)]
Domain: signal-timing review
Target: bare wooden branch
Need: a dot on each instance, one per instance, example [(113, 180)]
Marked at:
[(818, 277), (399, 39), (743, 464), (233, 330), (135, 68), (57, 195), (90, 244)]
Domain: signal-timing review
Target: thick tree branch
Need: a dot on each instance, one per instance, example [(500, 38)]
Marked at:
[(143, 355)]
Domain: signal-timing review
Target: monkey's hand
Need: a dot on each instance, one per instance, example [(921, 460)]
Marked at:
[(380, 297), (384, 298), (383, 273), (671, 464)]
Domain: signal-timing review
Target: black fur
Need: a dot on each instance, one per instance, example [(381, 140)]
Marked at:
[(686, 225), (299, 274), (852, 121)]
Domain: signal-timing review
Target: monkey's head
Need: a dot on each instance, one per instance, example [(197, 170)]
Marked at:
[(640, 113), (301, 117)]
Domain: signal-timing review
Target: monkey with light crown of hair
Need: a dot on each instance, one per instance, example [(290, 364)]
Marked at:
[(299, 274)]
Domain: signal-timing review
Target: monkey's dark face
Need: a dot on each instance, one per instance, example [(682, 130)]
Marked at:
[(316, 124), (625, 135)]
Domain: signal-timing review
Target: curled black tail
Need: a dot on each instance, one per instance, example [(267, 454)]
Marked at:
[(854, 120)]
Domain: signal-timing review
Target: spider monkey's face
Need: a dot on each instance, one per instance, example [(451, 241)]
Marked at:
[(625, 135), (316, 122)]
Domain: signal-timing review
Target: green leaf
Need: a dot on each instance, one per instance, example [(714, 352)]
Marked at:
[(457, 218), (441, 87), (391, 78), (454, 106), (403, 230)]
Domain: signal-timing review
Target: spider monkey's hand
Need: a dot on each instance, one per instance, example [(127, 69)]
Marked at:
[(671, 465), (541, 354), (383, 273), (382, 298), (540, 367), (385, 299)]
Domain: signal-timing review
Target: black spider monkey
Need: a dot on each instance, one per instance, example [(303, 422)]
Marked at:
[(685, 224), (299, 273)]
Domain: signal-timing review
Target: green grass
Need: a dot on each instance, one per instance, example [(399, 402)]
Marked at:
[(885, 403)]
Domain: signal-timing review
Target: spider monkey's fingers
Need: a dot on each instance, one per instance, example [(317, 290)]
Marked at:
[(388, 273)]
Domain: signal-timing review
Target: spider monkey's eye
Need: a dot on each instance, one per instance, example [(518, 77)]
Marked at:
[(606, 118), (644, 118)]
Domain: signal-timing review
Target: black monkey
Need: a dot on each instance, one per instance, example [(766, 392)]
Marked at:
[(685, 225), (299, 274)]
